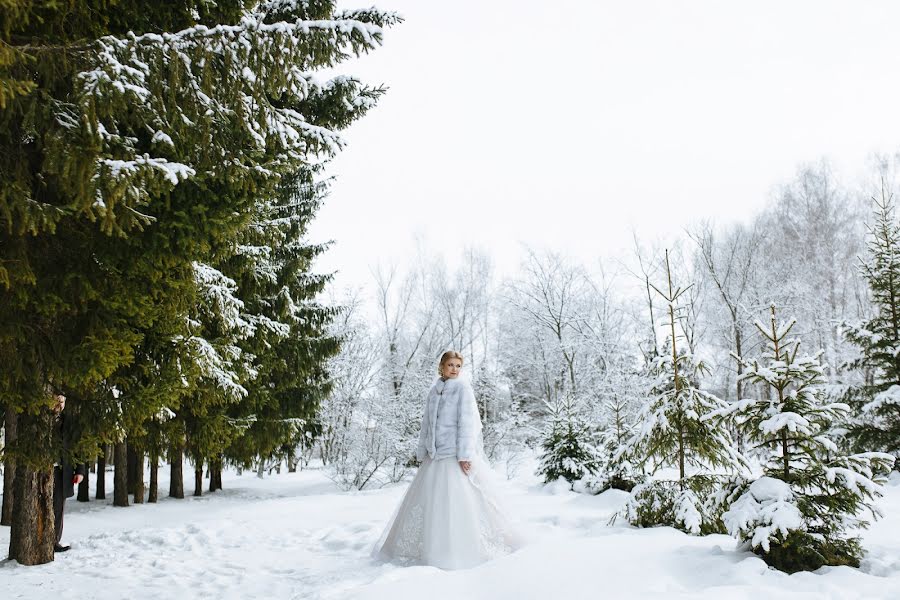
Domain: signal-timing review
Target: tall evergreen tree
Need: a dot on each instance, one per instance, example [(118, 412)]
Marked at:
[(111, 136), (290, 340), (877, 399)]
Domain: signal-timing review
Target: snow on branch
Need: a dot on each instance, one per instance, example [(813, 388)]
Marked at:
[(218, 291), (218, 368), (223, 101)]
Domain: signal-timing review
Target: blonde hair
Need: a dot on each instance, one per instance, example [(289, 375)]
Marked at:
[(447, 356)]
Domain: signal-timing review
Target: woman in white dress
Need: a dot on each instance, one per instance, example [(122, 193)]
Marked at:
[(449, 517)]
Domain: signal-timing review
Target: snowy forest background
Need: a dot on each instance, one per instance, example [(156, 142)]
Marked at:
[(156, 269), (573, 362), (563, 332)]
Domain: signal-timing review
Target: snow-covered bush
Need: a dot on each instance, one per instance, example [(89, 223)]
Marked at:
[(684, 505)]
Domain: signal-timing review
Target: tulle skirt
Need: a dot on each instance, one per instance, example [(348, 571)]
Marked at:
[(448, 519)]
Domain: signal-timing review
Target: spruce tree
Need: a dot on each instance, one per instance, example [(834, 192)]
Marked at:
[(290, 340), (568, 452), (877, 423), (674, 433), (619, 393), (121, 124), (797, 515)]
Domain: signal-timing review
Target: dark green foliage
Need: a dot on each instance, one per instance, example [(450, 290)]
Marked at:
[(801, 551), (273, 268)]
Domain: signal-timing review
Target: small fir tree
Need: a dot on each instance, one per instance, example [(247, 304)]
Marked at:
[(619, 393), (797, 515), (674, 433), (567, 449)]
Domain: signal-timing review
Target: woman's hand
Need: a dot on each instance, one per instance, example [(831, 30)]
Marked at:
[(465, 465)]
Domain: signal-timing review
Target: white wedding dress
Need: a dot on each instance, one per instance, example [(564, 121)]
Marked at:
[(448, 519)]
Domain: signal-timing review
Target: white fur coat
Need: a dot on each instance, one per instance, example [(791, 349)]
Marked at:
[(451, 425)]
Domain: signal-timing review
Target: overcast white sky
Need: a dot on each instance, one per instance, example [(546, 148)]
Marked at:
[(564, 124)]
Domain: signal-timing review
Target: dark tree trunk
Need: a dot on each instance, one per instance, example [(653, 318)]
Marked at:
[(292, 462), (9, 470), (120, 478), (138, 477), (176, 480), (33, 533), (215, 477), (101, 475), (132, 468), (154, 482), (84, 492), (198, 481)]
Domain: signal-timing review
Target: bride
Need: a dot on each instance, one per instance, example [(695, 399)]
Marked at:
[(449, 516)]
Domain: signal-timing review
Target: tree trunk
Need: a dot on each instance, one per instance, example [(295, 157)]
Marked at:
[(101, 475), (131, 477), (739, 383), (215, 477), (33, 533), (261, 469), (9, 470), (154, 482), (84, 492), (176, 466), (292, 462), (198, 480), (120, 478), (138, 477)]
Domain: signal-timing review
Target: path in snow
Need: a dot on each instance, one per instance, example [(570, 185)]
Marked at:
[(297, 536)]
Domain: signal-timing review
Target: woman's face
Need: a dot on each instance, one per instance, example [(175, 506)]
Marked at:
[(450, 369)]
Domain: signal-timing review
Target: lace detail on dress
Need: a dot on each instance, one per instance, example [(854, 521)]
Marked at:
[(409, 543)]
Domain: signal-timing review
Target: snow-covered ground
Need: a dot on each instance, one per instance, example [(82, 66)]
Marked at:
[(298, 536)]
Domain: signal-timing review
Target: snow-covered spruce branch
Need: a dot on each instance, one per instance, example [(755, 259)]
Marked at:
[(190, 94)]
